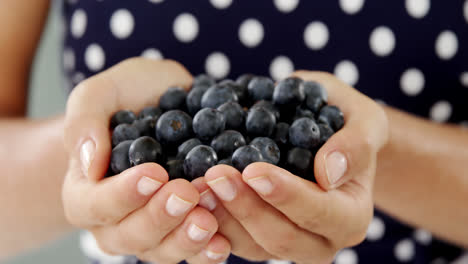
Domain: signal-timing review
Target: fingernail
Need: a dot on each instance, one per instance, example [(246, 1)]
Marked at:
[(208, 200), (223, 188), (197, 233), (214, 255), (261, 184), (177, 206), (335, 166), (87, 155), (147, 186)]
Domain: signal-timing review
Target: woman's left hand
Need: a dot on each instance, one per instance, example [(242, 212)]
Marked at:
[(268, 212)]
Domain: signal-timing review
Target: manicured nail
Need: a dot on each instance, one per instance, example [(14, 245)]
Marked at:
[(336, 166), (208, 200), (147, 186), (177, 206), (261, 184), (223, 188), (214, 255), (87, 155), (197, 233)]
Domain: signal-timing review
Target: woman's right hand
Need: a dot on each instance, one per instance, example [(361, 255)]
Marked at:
[(137, 212)]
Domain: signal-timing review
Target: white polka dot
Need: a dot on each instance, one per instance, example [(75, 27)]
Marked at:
[(217, 65), (122, 23), (281, 67), (464, 79), (316, 35), (446, 45), (382, 41), (78, 24), (185, 27), (78, 77), (441, 111), (94, 57), (286, 6), (465, 10), (412, 82), (417, 8), (251, 33), (404, 250), (221, 4), (347, 72), (422, 236), (68, 59), (376, 229), (351, 7), (346, 256), (274, 261), (152, 54), (156, 1)]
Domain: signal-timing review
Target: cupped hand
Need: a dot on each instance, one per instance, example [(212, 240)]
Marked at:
[(137, 212), (267, 212)]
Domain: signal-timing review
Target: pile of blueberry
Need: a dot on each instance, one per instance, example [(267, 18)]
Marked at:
[(235, 123)]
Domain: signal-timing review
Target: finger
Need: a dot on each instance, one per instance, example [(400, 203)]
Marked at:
[(312, 208), (187, 240), (216, 251), (241, 241), (268, 227), (89, 204), (145, 228)]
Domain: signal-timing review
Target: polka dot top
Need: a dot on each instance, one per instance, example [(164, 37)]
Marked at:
[(410, 54)]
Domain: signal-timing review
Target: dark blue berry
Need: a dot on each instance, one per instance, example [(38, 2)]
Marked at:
[(281, 134), (289, 93), (193, 100), (146, 126), (260, 122), (234, 115), (301, 112), (203, 80), (175, 169), (332, 116), (269, 106), (173, 127), (325, 133), (238, 89), (208, 123), (316, 96), (227, 142), (119, 157), (122, 117), (226, 161), (301, 163), (244, 79), (186, 147), (244, 156), (267, 146), (199, 160), (124, 132), (173, 98), (143, 150), (217, 95), (150, 111), (261, 88), (304, 133)]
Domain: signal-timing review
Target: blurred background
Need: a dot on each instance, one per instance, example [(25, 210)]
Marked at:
[(47, 97)]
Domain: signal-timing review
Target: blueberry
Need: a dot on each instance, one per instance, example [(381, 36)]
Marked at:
[(301, 163), (267, 146), (289, 93), (146, 126), (173, 98), (124, 132), (150, 111), (173, 127), (208, 123), (203, 80), (233, 114), (281, 134), (332, 116), (244, 79), (144, 150), (244, 156), (226, 161), (227, 142), (175, 169), (261, 88), (325, 133), (238, 89), (199, 160), (316, 96), (304, 133), (185, 147), (217, 95), (122, 117), (260, 122), (267, 105), (193, 100), (119, 157), (301, 112)]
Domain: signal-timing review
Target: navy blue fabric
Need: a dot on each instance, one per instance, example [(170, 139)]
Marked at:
[(379, 77)]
